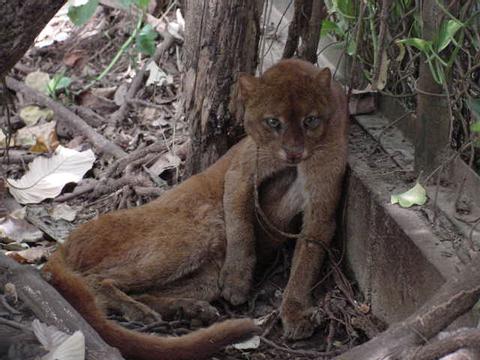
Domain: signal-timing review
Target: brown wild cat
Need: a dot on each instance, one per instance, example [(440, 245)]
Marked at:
[(201, 240)]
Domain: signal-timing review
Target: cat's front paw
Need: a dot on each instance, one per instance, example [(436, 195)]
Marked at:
[(235, 284), (297, 321)]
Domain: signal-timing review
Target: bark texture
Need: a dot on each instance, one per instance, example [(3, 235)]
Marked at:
[(221, 40), (20, 23), (304, 30), (433, 119)]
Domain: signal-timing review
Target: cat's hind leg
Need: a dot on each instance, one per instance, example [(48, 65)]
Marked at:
[(111, 299), (190, 296)]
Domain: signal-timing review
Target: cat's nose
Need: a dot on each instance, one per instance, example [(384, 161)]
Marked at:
[(295, 156), (293, 153)]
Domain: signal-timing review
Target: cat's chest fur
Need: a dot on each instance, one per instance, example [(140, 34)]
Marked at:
[(282, 197)]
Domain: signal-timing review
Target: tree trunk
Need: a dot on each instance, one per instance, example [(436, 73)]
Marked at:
[(304, 30), (221, 40), (20, 23), (433, 119)]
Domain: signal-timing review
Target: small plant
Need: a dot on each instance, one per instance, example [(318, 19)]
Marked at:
[(433, 49), (81, 11), (58, 83)]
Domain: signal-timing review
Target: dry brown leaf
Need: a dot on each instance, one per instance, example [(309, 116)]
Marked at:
[(27, 136), (42, 146), (77, 58), (95, 102), (34, 255)]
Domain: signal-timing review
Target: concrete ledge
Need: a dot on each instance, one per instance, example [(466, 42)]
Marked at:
[(396, 255)]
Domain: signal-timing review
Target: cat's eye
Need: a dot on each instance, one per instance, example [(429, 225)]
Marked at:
[(274, 123), (311, 122)]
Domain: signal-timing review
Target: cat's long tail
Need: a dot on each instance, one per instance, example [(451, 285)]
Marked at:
[(199, 344)]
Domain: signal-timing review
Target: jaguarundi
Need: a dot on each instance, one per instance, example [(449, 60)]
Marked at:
[(201, 240)]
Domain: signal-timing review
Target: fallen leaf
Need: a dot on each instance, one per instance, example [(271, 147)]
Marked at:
[(363, 308), (18, 230), (46, 177), (95, 102), (45, 146), (157, 76), (32, 114), (177, 28), (27, 136), (63, 211), (13, 246), (252, 343), (119, 96), (60, 346), (76, 58), (106, 92), (3, 140), (165, 162), (19, 213), (415, 196), (34, 255), (10, 292), (38, 80), (57, 230)]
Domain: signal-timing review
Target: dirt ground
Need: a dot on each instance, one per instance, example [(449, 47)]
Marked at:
[(343, 319)]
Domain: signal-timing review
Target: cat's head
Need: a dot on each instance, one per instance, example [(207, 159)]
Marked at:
[(287, 110)]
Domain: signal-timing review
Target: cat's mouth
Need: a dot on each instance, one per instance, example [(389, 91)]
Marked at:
[(293, 158), (293, 162)]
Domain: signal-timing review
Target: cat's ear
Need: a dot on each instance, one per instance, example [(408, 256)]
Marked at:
[(324, 78), (247, 85)]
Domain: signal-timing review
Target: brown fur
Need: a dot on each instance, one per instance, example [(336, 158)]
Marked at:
[(197, 241)]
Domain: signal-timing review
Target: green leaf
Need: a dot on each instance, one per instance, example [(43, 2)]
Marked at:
[(474, 106), (351, 47), (345, 7), (146, 40), (329, 27), (57, 83), (447, 31), (420, 44), (142, 4), (415, 196), (475, 127), (79, 15)]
